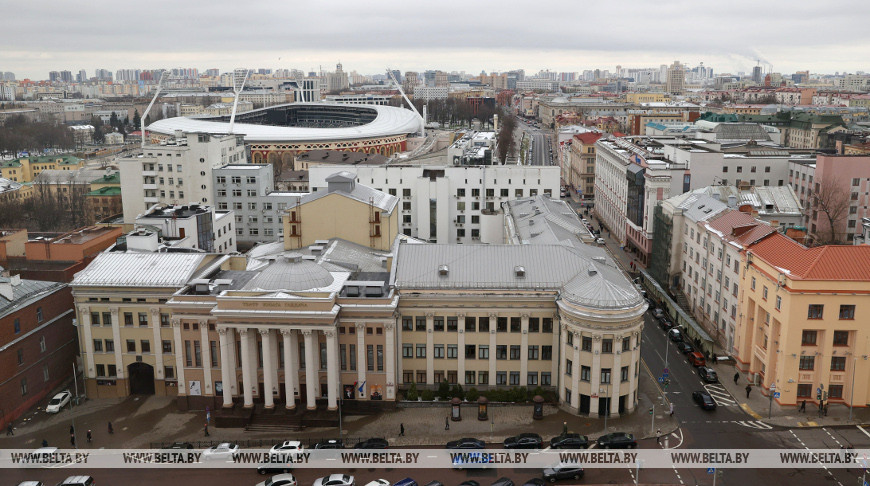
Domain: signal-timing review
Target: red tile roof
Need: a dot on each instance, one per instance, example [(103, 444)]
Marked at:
[(588, 138), (830, 262), (740, 227)]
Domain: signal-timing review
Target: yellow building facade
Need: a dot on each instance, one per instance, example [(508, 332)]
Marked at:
[(26, 169)]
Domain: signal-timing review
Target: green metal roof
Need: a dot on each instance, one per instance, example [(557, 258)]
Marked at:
[(113, 178), (105, 191)]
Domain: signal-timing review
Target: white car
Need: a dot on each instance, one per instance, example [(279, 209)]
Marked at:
[(221, 451), (379, 482), (335, 480), (59, 401), (288, 446), (30, 483), (600, 241), (279, 480)]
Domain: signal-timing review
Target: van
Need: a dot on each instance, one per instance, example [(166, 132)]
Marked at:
[(78, 481)]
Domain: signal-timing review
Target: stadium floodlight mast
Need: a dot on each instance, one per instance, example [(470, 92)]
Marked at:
[(240, 77), (160, 84), (402, 92)]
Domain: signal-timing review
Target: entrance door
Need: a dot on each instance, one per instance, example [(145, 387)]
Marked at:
[(141, 378), (622, 400), (603, 406), (584, 403)]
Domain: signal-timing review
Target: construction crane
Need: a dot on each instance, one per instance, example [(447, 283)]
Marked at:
[(402, 92)]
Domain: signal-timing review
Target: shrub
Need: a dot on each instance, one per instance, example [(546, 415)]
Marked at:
[(427, 395), (412, 393), (457, 392), (472, 394), (444, 390)]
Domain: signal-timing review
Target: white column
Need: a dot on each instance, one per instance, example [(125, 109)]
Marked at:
[(158, 343), (290, 369), (430, 349), (460, 345), (632, 376), (227, 367), (361, 359), (253, 362), (493, 319), (246, 366), (390, 357), (575, 373), (231, 363), (595, 378), (294, 347), (120, 372), (86, 336), (276, 361), (616, 375), (524, 350), (331, 368), (399, 374), (562, 354), (557, 356), (179, 354), (268, 384), (311, 380), (206, 358)]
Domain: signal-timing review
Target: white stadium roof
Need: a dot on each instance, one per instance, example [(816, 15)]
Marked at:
[(389, 121)]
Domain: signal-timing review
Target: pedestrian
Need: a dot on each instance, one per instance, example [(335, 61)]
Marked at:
[(205, 429), (111, 430), (72, 430), (826, 410), (446, 423), (659, 436), (89, 436), (44, 443), (736, 377), (401, 430), (9, 429), (72, 439), (748, 389), (672, 409), (803, 406), (564, 428)]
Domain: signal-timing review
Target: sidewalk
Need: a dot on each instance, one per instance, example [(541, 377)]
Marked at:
[(758, 405)]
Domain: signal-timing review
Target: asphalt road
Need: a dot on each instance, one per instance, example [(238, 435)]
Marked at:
[(539, 149)]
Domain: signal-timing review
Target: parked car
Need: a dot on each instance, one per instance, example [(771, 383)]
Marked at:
[(569, 441), (617, 440), (502, 482), (330, 444), (685, 347), (384, 482), (179, 445), (31, 483), (675, 335), (563, 471), (534, 482), (466, 443), (335, 480), (703, 398), (78, 481), (221, 451), (288, 446), (696, 359), (373, 443), (274, 468), (600, 241), (528, 440), (470, 482), (58, 401), (665, 323), (279, 480), (406, 482), (708, 374), (430, 483)]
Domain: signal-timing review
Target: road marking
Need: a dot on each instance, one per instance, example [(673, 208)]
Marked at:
[(754, 424), (862, 430), (720, 395), (745, 407)]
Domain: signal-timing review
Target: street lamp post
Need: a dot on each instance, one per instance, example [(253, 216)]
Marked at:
[(852, 389)]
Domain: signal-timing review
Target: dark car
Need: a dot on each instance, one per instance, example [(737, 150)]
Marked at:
[(569, 441), (434, 483), (406, 482), (179, 445), (373, 443), (466, 443), (470, 482), (273, 468), (330, 444), (617, 440), (665, 323), (502, 482), (708, 374), (684, 347), (534, 482), (704, 399), (563, 471), (527, 440), (675, 335)]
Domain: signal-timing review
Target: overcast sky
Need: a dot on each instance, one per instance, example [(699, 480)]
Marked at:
[(39, 36)]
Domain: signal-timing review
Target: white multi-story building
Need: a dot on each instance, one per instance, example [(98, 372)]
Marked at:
[(195, 227), (360, 99), (176, 171), (427, 93), (445, 203)]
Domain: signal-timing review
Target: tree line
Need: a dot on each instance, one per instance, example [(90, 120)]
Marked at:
[(49, 208), (20, 134)]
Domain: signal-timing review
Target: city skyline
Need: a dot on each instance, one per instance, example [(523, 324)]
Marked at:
[(730, 39)]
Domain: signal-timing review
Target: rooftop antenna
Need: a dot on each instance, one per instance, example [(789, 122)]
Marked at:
[(240, 77), (156, 94), (399, 87)]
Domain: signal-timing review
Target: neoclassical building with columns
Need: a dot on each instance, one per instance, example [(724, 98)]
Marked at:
[(302, 327)]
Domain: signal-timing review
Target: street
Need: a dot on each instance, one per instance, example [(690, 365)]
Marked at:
[(539, 147)]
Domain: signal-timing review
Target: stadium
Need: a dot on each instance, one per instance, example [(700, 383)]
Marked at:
[(277, 133)]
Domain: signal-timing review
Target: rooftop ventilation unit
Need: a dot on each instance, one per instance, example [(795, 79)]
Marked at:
[(442, 270), (352, 291), (520, 271)]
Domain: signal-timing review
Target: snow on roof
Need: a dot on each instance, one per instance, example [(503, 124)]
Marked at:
[(140, 269)]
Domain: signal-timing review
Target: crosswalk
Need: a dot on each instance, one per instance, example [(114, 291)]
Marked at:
[(753, 424), (720, 395)]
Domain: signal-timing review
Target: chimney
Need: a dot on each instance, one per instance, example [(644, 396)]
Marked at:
[(7, 285), (732, 202)]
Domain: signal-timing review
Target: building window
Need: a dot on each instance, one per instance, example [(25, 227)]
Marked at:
[(167, 346), (128, 318), (778, 302), (470, 351), (109, 345), (98, 345), (546, 379), (605, 375), (501, 378), (533, 352), (407, 324), (470, 324), (131, 345), (370, 357), (804, 390), (452, 324), (515, 352), (516, 325), (847, 312), (95, 319), (145, 346), (515, 378), (815, 311), (407, 350), (101, 371), (569, 368), (407, 376), (143, 319), (547, 353), (421, 350), (111, 370), (452, 351), (39, 314), (438, 324), (585, 373), (501, 324), (835, 391), (626, 344), (469, 377), (607, 345), (188, 355), (807, 363), (808, 338), (421, 323), (483, 324), (501, 351), (838, 363), (547, 325), (841, 338), (532, 378), (421, 377), (623, 374), (20, 356), (586, 344), (483, 378), (24, 386), (752, 283), (764, 292)]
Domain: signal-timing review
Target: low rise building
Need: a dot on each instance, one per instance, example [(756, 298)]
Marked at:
[(26, 169), (193, 227)]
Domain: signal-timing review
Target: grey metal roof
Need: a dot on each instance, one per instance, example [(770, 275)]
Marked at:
[(740, 131), (565, 269), (291, 272), (25, 290), (700, 207), (80, 176), (140, 269), (542, 220), (362, 193)]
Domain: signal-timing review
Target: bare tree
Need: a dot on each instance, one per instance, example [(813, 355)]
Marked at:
[(831, 199)]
